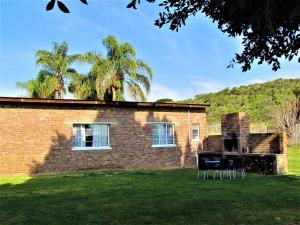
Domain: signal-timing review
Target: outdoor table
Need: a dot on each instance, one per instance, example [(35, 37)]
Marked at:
[(213, 163)]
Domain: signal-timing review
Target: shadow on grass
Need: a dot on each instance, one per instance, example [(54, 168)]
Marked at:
[(150, 197)]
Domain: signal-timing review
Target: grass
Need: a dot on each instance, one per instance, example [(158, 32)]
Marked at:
[(294, 160), (151, 197)]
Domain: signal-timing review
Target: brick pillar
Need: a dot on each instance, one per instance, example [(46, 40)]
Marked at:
[(282, 158), (244, 132), (236, 126)]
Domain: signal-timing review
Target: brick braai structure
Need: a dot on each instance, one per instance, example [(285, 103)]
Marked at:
[(36, 135), (235, 132), (262, 152)]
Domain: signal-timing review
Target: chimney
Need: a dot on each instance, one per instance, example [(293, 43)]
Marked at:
[(235, 132)]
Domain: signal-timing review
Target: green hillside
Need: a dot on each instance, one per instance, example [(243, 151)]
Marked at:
[(256, 99)]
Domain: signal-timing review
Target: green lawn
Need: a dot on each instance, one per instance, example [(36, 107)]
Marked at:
[(151, 197), (294, 160)]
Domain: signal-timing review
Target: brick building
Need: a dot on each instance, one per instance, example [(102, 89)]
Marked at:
[(47, 136)]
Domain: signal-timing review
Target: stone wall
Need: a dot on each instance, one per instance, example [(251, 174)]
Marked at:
[(37, 138)]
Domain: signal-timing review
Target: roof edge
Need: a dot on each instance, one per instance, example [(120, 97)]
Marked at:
[(21, 100)]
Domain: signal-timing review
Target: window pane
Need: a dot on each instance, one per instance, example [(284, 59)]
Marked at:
[(96, 135), (155, 134), (90, 135), (162, 134), (103, 135), (170, 138), (77, 135), (195, 131)]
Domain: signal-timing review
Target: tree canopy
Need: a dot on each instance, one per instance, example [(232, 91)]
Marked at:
[(164, 100), (269, 28), (111, 76), (50, 82)]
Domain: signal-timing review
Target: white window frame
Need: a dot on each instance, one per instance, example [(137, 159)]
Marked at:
[(198, 136), (173, 135), (91, 148)]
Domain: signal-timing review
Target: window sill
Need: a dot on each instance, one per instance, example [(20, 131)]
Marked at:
[(91, 148), (164, 146), (196, 139)]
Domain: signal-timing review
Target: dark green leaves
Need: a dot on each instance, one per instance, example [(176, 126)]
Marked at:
[(84, 2), (50, 5), (132, 4), (61, 5)]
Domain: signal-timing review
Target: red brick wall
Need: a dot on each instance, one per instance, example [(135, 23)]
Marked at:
[(258, 143), (38, 139), (237, 124), (213, 143), (265, 143)]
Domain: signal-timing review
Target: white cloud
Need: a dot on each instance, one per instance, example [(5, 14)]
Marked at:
[(160, 91)]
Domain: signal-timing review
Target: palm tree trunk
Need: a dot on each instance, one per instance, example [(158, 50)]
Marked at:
[(113, 93), (59, 86), (109, 95), (56, 94)]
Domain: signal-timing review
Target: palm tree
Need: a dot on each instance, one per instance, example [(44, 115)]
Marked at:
[(83, 87), (120, 71), (41, 87), (56, 65)]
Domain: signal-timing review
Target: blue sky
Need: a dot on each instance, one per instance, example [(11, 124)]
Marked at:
[(185, 63)]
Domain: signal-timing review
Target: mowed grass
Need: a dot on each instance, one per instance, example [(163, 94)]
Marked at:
[(294, 160), (151, 197)]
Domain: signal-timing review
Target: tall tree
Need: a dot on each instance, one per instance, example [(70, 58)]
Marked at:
[(56, 64), (119, 72), (285, 114)]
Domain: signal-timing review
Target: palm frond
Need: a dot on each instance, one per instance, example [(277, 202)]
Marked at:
[(81, 87), (127, 50), (136, 92), (112, 46), (44, 58), (47, 87), (144, 81), (71, 72), (43, 74), (145, 67)]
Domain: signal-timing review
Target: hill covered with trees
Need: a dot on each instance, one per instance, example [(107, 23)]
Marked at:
[(256, 99)]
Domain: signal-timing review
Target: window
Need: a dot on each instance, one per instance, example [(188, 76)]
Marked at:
[(90, 136), (195, 131), (162, 135)]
